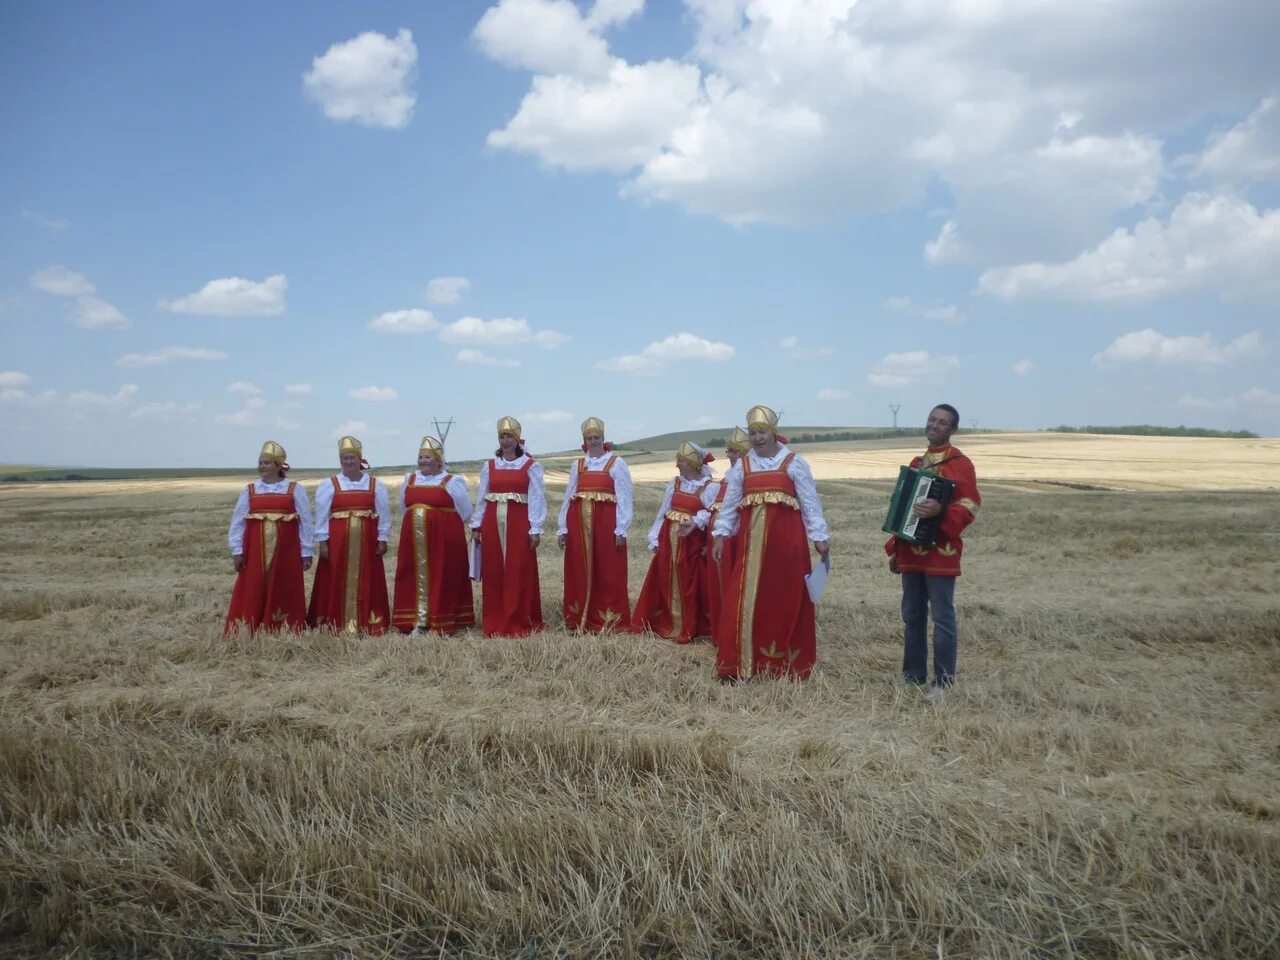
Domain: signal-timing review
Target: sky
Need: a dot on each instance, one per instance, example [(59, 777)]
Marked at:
[(226, 223)]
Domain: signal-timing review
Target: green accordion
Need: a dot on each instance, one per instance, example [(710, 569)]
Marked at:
[(915, 486)]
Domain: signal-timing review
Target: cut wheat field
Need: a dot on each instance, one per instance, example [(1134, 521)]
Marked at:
[(1101, 782)]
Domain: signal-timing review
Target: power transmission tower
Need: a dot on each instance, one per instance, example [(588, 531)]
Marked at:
[(973, 423), (895, 407), (442, 429)]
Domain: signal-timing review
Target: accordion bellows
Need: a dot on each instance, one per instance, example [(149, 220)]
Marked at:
[(915, 486)]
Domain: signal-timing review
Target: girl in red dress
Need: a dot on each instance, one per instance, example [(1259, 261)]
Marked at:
[(353, 523), (270, 540), (673, 600), (433, 588), (511, 508), (767, 622), (594, 520)]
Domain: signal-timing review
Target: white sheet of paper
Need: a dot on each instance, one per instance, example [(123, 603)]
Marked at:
[(475, 560), (817, 581)]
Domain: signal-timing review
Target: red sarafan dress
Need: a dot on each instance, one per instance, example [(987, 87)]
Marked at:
[(716, 575), (269, 593), (767, 623), (433, 588), (595, 570), (350, 587), (672, 602), (512, 598)]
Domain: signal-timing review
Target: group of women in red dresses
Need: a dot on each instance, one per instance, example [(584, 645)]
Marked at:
[(728, 555)]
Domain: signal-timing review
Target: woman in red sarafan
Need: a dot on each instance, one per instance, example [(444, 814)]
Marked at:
[(270, 540), (353, 523), (511, 508), (716, 573), (767, 624), (433, 587), (594, 520), (672, 602)]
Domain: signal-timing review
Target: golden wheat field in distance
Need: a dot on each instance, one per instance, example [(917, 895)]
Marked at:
[(1101, 782)]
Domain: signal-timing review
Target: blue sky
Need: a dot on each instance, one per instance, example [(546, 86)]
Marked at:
[(222, 224)]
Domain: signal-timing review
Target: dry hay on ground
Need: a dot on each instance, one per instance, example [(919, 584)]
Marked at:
[(1102, 781)]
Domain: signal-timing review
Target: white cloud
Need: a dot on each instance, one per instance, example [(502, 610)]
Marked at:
[(1024, 368), (617, 122), (447, 289), (368, 79), (1210, 243), (1253, 400), (12, 395), (405, 321), (1040, 141), (352, 428), (794, 351), (947, 314), (94, 314), (898, 303), (297, 389), (244, 387), (680, 347), (246, 416), (1249, 151), (234, 297), (165, 411), (44, 220), (87, 398), (61, 281), (168, 355), (501, 332), (483, 359), (545, 36), (376, 394), (902, 369), (282, 423), (833, 393), (1150, 346), (14, 378), (947, 247), (18, 396)]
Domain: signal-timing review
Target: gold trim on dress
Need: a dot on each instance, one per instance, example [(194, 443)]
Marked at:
[(351, 600), (586, 514), (430, 506), (420, 561), (678, 516), (677, 600), (500, 515), (970, 505), (770, 496), (273, 517), (596, 496), (269, 540), (754, 560), (507, 497), (351, 514)]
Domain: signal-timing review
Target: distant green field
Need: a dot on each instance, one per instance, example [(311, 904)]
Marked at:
[(716, 436)]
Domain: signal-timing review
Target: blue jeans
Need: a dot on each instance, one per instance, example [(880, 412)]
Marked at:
[(922, 593)]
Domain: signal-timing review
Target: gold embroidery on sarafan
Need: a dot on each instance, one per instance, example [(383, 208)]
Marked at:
[(269, 531), (351, 591), (755, 546), (677, 601), (586, 512), (420, 562), (501, 518)]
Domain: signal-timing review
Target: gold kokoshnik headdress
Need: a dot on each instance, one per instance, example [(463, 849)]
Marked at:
[(738, 440), (273, 451), (512, 426), (594, 425), (432, 446), (352, 445), (761, 417), (693, 456)]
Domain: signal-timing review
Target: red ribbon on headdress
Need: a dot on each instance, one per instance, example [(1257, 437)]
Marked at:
[(709, 457), (780, 437), (284, 468), (364, 463)]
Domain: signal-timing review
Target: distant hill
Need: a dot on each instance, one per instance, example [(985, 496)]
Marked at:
[(1147, 430), (715, 437)]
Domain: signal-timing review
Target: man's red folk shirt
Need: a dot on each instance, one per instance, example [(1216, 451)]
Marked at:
[(943, 558)]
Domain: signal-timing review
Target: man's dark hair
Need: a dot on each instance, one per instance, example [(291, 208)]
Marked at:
[(955, 414)]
